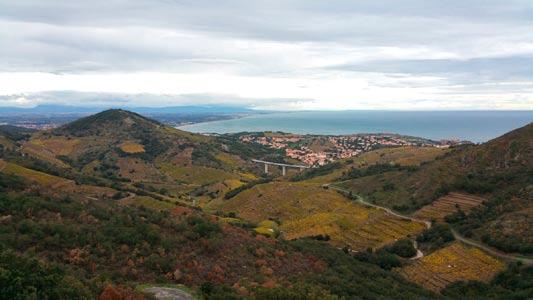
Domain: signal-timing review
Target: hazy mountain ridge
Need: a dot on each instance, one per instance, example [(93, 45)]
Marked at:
[(62, 109)]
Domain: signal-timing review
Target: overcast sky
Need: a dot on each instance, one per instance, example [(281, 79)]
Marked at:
[(287, 54)]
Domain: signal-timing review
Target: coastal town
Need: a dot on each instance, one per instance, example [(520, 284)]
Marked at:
[(320, 150)]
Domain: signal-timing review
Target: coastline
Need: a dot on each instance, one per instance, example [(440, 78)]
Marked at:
[(474, 126)]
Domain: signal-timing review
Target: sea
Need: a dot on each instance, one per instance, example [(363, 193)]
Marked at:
[(474, 126)]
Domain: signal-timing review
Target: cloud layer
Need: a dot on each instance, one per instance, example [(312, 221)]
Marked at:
[(292, 54)]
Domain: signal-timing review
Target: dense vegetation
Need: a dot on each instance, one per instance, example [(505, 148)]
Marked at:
[(516, 236), (435, 237), (234, 192), (315, 172), (249, 150), (383, 258), (15, 133), (93, 125), (375, 169), (514, 283), (500, 171), (348, 277), (85, 246), (403, 248), (25, 277), (60, 246)]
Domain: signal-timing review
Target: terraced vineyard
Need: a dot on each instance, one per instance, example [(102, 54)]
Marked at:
[(447, 205), (359, 228), (308, 210), (382, 231), (53, 184), (455, 262)]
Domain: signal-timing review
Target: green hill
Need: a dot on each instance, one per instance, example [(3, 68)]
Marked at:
[(62, 239), (104, 206), (134, 152), (500, 171)]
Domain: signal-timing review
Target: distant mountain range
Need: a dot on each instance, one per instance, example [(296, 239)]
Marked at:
[(67, 109)]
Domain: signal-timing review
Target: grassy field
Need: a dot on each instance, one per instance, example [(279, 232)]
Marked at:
[(229, 160), (6, 143), (147, 202), (305, 210), (455, 262), (36, 176), (197, 174), (138, 170), (283, 200), (37, 150), (131, 147), (447, 205), (267, 228), (405, 156), (57, 145), (407, 192), (55, 185)]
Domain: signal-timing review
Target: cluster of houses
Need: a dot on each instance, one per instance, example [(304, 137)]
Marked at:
[(337, 147)]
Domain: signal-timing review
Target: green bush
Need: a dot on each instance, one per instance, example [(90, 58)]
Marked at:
[(23, 277), (203, 227), (436, 236), (403, 248), (232, 193), (315, 172)]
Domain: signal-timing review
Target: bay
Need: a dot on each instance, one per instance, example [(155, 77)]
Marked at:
[(475, 126)]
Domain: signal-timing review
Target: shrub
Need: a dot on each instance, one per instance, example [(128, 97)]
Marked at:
[(203, 227), (436, 236), (403, 248), (315, 172), (232, 193), (24, 277)]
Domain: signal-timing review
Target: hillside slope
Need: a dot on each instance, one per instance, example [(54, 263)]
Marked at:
[(62, 239), (309, 210), (127, 149), (500, 171)]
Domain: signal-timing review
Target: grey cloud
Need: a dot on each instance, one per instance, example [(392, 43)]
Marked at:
[(113, 34), (75, 98), (485, 69), (469, 46)]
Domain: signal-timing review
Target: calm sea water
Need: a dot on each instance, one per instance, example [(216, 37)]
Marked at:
[(476, 126)]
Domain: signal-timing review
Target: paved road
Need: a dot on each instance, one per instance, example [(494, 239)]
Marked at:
[(419, 253), (524, 260), (388, 210)]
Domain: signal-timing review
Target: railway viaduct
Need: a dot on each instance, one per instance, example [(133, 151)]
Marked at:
[(283, 166)]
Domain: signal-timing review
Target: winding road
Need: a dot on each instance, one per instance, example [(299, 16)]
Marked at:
[(457, 236), (522, 259), (386, 209)]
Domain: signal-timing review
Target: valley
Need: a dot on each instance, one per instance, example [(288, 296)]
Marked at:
[(119, 203)]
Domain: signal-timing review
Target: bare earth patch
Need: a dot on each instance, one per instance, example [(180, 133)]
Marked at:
[(132, 147), (447, 205)]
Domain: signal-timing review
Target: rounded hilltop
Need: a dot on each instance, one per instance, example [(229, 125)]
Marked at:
[(110, 121)]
